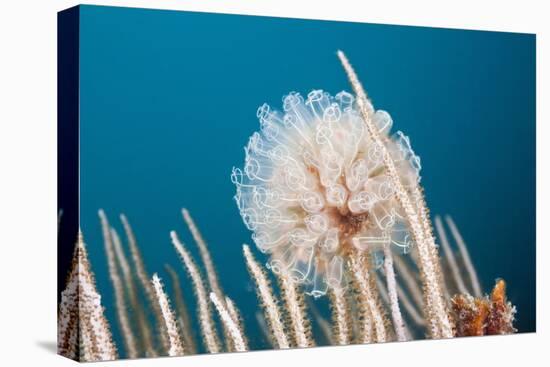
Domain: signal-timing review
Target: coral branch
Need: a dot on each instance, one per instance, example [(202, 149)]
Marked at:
[(372, 315), (295, 306), (211, 274), (415, 214), (143, 279), (409, 307), (230, 323), (386, 300), (449, 256), (465, 256), (323, 323), (143, 326), (410, 281), (236, 316), (208, 330), (269, 302), (205, 254), (397, 319), (429, 265), (260, 318), (176, 345), (325, 326), (341, 318), (120, 302), (232, 309), (181, 309)]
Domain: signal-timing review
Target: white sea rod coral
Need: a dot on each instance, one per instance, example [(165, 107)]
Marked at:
[(314, 186)]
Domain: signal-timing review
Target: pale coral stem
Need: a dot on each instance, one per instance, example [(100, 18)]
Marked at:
[(415, 214), (449, 256), (120, 302), (324, 324), (368, 303), (397, 318), (260, 318), (181, 309), (141, 320), (205, 254), (232, 309), (295, 308), (269, 302), (402, 299), (230, 323), (176, 345), (465, 256), (410, 281), (143, 278), (211, 274), (208, 329), (340, 316), (409, 307), (236, 316), (429, 259)]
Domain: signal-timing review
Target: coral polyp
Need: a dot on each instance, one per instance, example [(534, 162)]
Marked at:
[(314, 186)]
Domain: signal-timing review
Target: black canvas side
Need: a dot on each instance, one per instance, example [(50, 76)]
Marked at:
[(68, 23)]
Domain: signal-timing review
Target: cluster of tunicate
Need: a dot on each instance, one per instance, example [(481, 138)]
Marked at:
[(314, 187)]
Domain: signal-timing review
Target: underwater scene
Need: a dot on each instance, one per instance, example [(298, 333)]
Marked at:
[(251, 183)]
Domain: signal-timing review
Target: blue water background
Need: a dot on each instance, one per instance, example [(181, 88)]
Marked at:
[(168, 101)]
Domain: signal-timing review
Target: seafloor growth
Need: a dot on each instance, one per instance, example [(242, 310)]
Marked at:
[(335, 201), (492, 315)]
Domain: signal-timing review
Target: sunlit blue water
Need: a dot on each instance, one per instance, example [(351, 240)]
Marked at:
[(168, 100)]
